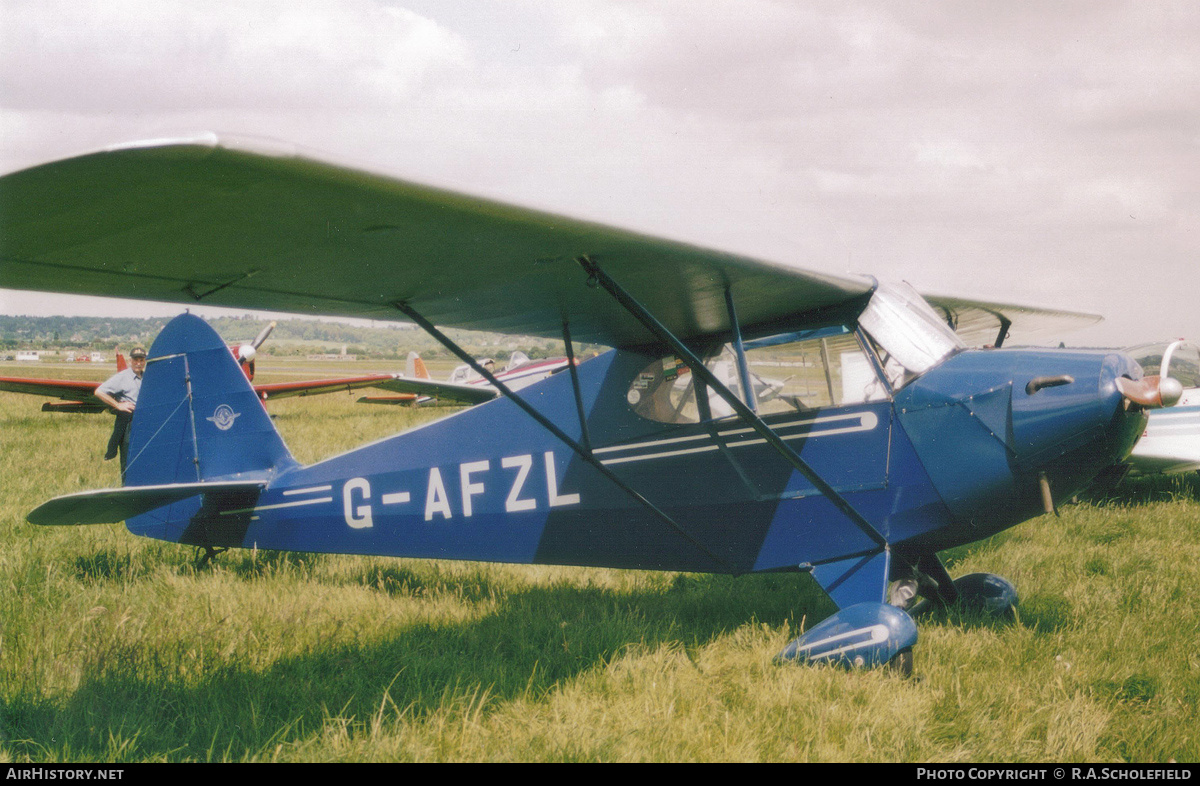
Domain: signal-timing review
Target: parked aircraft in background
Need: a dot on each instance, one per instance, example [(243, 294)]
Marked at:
[(417, 388), (1171, 442), (891, 442), (79, 395), (466, 386), (86, 357)]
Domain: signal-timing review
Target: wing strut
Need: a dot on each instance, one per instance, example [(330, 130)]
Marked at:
[(1005, 324), (580, 450), (743, 365), (583, 427), (598, 276)]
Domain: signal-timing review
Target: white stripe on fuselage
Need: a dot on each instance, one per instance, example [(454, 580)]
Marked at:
[(474, 474), (278, 505), (310, 490), (866, 422)]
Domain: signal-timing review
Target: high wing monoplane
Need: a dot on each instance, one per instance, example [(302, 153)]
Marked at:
[(79, 395), (889, 441)]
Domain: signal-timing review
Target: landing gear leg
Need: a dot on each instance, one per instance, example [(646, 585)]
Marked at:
[(925, 578), (902, 593), (977, 592)]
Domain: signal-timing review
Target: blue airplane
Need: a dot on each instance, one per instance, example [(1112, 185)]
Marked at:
[(883, 439)]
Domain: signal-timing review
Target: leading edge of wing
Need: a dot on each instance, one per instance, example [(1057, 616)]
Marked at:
[(213, 221)]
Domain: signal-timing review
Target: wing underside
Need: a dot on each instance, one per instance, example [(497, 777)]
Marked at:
[(211, 221), (203, 222)]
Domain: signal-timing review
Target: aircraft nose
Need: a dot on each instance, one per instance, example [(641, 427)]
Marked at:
[(1086, 403), (1035, 424), (1000, 431)]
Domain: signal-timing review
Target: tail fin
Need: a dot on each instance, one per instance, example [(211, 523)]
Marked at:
[(198, 418), (415, 367), (516, 360), (121, 364)]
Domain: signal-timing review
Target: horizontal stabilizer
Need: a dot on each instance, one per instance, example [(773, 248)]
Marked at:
[(108, 506)]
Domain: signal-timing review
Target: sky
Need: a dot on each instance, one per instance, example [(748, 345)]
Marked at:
[(1025, 152)]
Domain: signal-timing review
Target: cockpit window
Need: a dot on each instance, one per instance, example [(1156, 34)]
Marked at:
[(464, 374), (812, 370), (808, 369), (664, 391), (789, 373), (908, 335)]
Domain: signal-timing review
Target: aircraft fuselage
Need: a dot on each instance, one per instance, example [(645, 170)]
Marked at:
[(956, 455)]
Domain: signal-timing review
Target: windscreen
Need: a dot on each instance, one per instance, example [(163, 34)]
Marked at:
[(909, 336)]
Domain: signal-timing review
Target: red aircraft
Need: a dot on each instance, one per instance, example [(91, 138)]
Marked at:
[(79, 395)]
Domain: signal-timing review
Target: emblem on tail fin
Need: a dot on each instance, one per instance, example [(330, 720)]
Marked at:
[(223, 417)]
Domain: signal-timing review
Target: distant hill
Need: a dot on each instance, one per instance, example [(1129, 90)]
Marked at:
[(290, 337)]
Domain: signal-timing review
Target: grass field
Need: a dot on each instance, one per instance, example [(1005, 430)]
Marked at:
[(116, 648)]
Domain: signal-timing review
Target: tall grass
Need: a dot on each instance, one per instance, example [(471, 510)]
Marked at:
[(116, 648)]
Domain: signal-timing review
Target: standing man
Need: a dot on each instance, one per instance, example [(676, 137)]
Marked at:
[(120, 392)]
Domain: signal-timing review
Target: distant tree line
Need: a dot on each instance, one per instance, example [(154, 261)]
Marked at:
[(290, 337)]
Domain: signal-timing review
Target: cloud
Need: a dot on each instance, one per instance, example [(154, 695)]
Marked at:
[(1004, 148), (132, 57)]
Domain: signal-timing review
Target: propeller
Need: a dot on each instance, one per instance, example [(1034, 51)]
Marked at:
[(1151, 392), (262, 335), (247, 352)]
